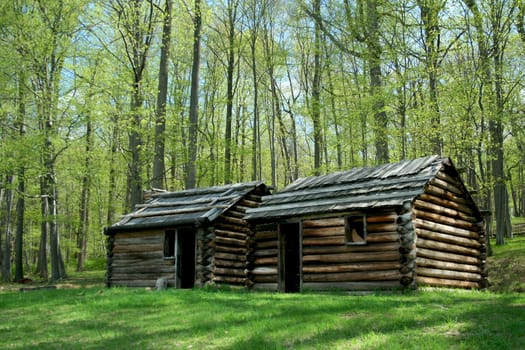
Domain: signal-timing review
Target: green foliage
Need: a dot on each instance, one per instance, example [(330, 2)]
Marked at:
[(92, 78), (96, 318)]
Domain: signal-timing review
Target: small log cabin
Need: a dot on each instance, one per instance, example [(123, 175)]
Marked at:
[(190, 238), (393, 226)]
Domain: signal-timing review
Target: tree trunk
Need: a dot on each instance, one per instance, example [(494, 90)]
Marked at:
[(159, 178), (376, 82), (335, 119), (430, 10), (316, 90), (191, 166), (112, 185), (20, 204), (134, 181), (81, 253), (42, 268), (501, 200), (6, 256), (137, 32), (19, 237), (255, 132), (49, 195), (230, 70), (495, 98)]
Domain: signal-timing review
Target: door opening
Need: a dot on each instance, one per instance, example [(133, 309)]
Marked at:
[(185, 246), (290, 257)]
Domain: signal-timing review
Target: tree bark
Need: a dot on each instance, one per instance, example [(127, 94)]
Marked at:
[(159, 178), (136, 30), (316, 90), (42, 268), (191, 166), (430, 10), (20, 204), (255, 131), (230, 70), (6, 256), (496, 102), (112, 175), (376, 81), (19, 236), (501, 200), (81, 253)]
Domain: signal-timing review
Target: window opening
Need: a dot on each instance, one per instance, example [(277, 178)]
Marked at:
[(169, 244), (355, 229)]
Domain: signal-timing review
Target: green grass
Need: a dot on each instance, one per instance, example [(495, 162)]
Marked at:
[(82, 314), (97, 318), (507, 266)]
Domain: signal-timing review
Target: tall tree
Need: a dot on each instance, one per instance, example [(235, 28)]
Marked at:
[(21, 189), (55, 22), (85, 193), (191, 165), (492, 103), (256, 10), (232, 7), (316, 89), (362, 23), (6, 256), (374, 51), (430, 13), (158, 180), (136, 20)]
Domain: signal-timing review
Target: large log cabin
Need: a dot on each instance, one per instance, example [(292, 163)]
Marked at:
[(189, 238), (393, 226)]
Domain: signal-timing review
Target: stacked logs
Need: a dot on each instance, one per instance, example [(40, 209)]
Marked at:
[(262, 267), (109, 260), (232, 241), (407, 239), (329, 262), (451, 246), (205, 253), (137, 260)]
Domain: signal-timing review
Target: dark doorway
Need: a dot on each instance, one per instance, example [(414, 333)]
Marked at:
[(290, 257), (185, 258)]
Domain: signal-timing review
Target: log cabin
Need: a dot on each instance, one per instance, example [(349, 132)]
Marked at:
[(394, 226), (189, 238)]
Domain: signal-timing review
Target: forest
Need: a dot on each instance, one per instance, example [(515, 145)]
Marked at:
[(103, 100)]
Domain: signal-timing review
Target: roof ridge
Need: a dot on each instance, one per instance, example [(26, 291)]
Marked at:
[(209, 189), (364, 173)]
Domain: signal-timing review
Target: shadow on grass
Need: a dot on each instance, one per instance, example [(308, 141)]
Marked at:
[(135, 318)]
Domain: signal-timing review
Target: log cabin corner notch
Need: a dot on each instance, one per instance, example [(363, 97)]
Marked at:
[(392, 226), (190, 238)]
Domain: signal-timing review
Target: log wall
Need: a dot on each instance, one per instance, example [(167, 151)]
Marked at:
[(136, 259), (407, 249), (205, 250), (451, 246), (233, 243), (263, 258), (328, 262)]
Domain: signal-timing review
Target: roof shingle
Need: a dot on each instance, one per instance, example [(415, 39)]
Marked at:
[(387, 185), (186, 207)]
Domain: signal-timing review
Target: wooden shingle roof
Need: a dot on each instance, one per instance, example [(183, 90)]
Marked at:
[(181, 208), (387, 185)]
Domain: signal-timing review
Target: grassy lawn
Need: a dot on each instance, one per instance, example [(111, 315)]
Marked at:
[(95, 318), (92, 317), (507, 266)]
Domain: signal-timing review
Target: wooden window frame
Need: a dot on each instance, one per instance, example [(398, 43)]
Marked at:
[(350, 225)]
